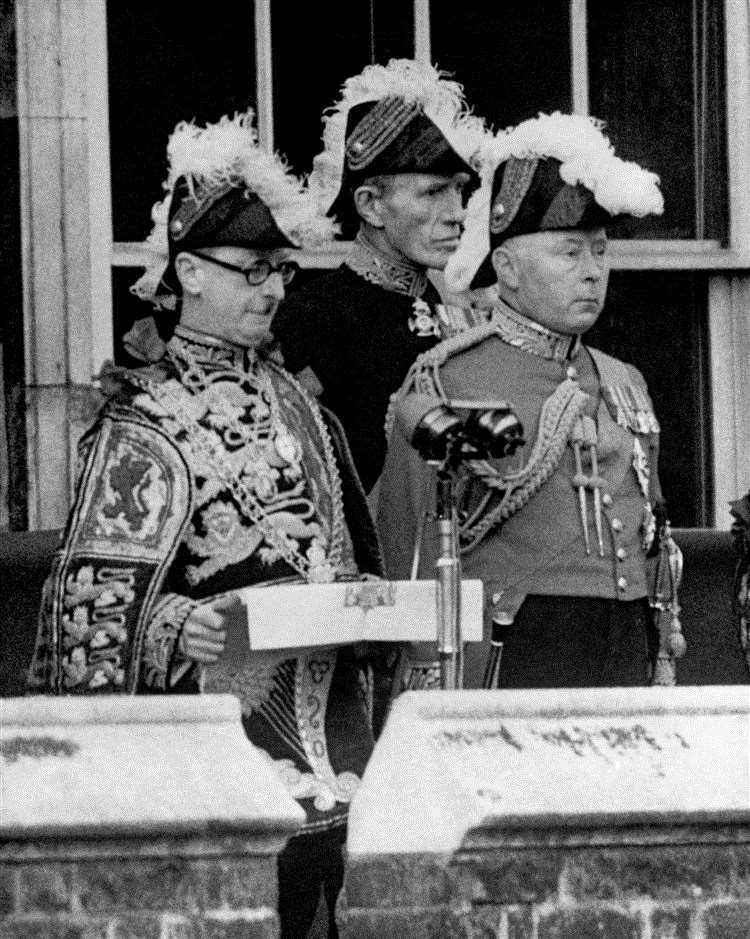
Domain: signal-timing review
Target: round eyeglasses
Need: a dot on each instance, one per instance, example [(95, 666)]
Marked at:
[(257, 272)]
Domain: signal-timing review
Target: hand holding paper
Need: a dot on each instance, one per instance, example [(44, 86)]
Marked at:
[(291, 616), (204, 633)]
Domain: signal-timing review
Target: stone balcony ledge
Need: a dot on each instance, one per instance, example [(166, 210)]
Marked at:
[(614, 765), (117, 767)]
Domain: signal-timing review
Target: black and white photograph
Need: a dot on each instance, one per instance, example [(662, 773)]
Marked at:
[(375, 469)]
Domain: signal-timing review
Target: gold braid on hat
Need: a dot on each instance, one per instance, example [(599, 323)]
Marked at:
[(378, 128), (517, 180)]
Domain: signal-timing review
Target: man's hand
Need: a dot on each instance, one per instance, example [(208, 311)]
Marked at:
[(204, 634)]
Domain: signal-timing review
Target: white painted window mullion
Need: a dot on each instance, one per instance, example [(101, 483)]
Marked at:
[(422, 38), (737, 32), (100, 185), (264, 74), (579, 57)]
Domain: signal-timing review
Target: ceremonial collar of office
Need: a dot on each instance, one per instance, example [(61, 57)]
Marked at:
[(529, 336), (378, 268), (211, 350)]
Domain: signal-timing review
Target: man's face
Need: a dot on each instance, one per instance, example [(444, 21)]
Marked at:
[(560, 277), (228, 306), (422, 216)]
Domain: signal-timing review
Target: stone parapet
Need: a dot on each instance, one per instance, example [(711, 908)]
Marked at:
[(137, 817), (554, 815)]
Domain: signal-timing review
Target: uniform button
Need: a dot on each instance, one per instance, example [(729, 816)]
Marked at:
[(622, 583), (607, 499), (621, 554), (616, 524)]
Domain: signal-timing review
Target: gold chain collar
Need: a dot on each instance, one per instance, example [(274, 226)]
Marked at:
[(313, 569)]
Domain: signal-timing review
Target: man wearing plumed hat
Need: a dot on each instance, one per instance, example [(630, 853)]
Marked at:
[(560, 532), (395, 174), (210, 470)]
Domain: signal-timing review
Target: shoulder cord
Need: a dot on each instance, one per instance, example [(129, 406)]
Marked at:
[(559, 413), (424, 375)]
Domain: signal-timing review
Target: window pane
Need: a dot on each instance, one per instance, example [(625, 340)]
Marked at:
[(513, 58), (658, 322), (307, 76), (656, 77), (168, 65)]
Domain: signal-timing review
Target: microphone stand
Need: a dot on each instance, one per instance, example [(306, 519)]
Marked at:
[(448, 583), (444, 440)]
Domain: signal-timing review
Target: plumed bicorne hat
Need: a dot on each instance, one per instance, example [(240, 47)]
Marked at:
[(403, 117), (553, 172), (223, 189)]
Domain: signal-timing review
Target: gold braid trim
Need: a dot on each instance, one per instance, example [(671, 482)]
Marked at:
[(423, 378), (559, 413)]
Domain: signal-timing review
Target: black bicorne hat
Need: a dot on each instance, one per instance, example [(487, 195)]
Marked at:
[(388, 137), (227, 215), (224, 189), (554, 172), (529, 195)]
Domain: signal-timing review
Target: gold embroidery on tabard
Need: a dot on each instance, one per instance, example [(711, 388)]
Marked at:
[(131, 495), (96, 601)]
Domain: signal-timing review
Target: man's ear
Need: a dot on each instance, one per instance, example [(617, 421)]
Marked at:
[(505, 263), (367, 202), (189, 273)]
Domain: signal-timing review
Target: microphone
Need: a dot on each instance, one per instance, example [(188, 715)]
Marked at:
[(437, 431)]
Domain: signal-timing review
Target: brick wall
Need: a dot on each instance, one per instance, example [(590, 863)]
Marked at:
[(137, 890), (555, 814), (146, 817), (698, 890)]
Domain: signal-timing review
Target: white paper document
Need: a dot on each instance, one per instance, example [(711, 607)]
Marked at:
[(298, 615)]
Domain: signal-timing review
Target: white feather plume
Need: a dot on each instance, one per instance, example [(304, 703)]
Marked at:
[(442, 100), (228, 152), (586, 156)]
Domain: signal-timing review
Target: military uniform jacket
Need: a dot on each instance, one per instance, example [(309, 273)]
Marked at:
[(521, 520), (170, 478)]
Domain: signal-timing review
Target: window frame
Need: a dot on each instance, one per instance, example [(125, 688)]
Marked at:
[(728, 267), (636, 254)]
